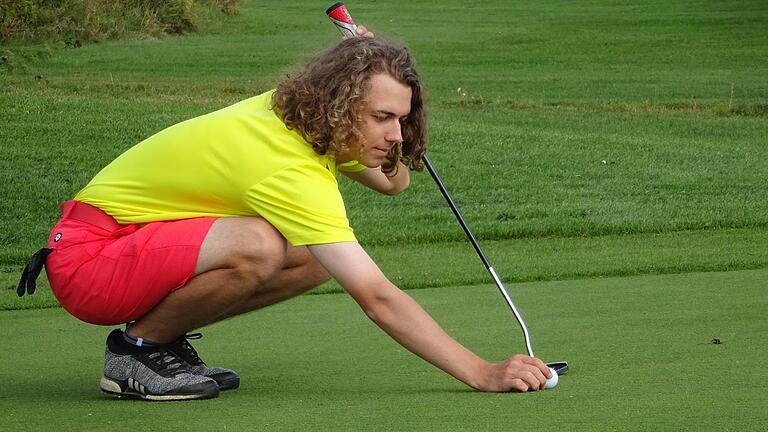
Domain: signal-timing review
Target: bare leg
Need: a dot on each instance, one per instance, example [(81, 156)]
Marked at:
[(244, 264), (301, 273)]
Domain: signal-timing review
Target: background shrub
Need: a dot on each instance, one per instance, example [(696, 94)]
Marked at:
[(76, 21)]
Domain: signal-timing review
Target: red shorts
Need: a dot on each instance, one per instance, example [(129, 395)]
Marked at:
[(106, 273)]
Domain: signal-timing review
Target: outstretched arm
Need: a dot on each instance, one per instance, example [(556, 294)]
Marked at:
[(404, 320)]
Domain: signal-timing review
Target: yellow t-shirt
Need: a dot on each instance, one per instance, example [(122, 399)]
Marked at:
[(238, 161)]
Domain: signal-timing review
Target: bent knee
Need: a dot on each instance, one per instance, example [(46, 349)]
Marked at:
[(250, 246), (301, 257), (317, 271)]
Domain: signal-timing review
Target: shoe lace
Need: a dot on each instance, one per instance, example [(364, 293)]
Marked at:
[(167, 363), (186, 351)]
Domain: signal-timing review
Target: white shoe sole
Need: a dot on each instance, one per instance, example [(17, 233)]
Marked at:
[(112, 387)]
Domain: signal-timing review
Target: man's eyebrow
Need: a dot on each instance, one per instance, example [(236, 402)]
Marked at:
[(388, 113)]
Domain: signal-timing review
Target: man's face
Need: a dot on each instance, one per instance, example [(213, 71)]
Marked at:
[(387, 104)]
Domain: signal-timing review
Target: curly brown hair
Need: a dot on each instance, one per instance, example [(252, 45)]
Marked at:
[(323, 102)]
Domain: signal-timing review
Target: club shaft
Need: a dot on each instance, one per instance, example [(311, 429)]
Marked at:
[(479, 250)]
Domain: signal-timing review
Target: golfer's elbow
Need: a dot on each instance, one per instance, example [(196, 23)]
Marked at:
[(398, 187), (398, 181), (381, 304)]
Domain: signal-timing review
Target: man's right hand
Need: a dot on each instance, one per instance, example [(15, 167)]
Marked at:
[(518, 373)]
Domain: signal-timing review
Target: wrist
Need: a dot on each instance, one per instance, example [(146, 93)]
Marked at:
[(480, 378)]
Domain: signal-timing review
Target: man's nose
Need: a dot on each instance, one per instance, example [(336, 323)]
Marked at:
[(395, 133)]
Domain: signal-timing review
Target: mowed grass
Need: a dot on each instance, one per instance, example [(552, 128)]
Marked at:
[(640, 348), (431, 265), (572, 120), (582, 140)]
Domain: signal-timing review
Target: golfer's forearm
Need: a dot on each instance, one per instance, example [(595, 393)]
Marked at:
[(396, 312), (406, 322), (390, 184)]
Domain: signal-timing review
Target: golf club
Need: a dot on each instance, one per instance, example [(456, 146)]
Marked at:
[(340, 16), (560, 367)]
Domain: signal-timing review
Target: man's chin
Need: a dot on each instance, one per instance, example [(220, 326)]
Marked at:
[(373, 163)]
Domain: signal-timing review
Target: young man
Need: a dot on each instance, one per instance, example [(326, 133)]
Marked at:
[(240, 209)]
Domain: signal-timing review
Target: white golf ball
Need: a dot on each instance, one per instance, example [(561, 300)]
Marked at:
[(552, 382)]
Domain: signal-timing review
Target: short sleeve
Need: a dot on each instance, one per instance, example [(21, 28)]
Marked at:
[(351, 167), (304, 203)]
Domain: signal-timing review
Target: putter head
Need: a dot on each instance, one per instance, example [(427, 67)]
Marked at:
[(561, 367)]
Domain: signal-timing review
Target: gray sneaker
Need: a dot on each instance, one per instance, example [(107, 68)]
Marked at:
[(226, 379), (155, 373)]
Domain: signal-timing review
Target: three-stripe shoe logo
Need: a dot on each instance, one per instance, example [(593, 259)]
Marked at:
[(135, 385)]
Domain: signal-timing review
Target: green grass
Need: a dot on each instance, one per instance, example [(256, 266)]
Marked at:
[(431, 265), (640, 351), (554, 91), (604, 153)]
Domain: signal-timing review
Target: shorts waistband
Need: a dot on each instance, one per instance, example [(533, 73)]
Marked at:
[(89, 214)]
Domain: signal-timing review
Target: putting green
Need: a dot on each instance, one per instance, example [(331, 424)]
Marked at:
[(641, 351)]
